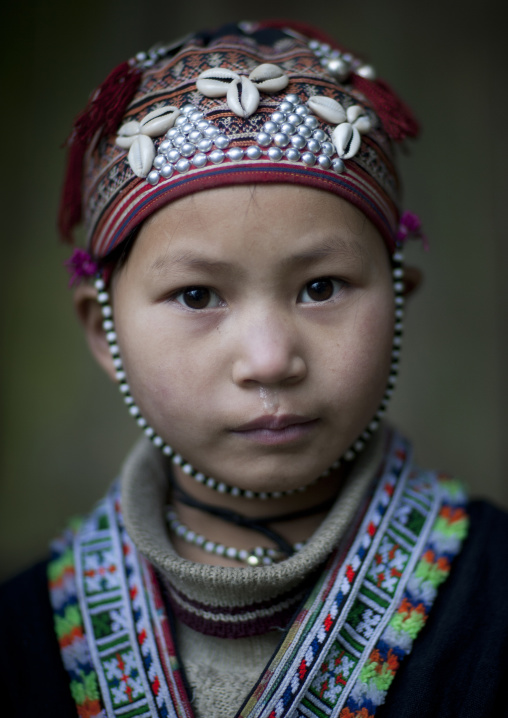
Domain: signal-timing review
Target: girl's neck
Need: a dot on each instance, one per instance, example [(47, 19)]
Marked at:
[(297, 530)]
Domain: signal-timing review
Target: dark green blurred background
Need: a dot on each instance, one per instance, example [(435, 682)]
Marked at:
[(64, 428)]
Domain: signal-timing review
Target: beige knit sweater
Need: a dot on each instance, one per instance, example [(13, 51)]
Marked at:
[(221, 672)]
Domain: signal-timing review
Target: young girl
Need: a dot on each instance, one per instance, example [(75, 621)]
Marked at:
[(269, 549)]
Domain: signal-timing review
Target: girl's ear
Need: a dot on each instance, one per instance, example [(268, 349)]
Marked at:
[(412, 279), (89, 312)]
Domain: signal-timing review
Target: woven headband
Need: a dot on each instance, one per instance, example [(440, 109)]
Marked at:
[(249, 103)]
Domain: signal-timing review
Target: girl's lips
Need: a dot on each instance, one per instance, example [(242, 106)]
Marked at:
[(276, 429)]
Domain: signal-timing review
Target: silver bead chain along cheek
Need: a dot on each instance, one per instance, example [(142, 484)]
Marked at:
[(252, 557), (220, 486)]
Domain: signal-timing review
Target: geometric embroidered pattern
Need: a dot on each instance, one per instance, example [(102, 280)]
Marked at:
[(122, 615), (340, 654)]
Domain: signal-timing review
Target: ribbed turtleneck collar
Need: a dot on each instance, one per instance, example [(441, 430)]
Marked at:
[(224, 601)]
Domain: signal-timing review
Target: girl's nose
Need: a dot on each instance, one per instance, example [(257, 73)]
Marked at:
[(267, 353)]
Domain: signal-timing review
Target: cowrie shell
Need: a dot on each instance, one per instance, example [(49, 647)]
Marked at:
[(141, 155), (354, 112), (357, 117), (127, 134), (363, 124), (347, 140), (327, 109), (216, 81), (243, 97), (159, 121), (269, 78)]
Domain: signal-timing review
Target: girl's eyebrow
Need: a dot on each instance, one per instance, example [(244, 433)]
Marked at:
[(336, 246), (190, 260)]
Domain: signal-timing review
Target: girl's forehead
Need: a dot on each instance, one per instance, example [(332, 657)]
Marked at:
[(239, 222)]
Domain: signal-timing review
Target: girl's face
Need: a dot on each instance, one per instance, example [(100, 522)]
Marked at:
[(255, 326)]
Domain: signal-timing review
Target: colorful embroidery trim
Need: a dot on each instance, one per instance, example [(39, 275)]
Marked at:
[(339, 656), (343, 649)]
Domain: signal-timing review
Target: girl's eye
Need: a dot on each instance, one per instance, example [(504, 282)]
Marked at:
[(320, 290), (198, 298)]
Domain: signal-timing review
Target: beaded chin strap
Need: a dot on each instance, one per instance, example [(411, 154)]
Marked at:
[(219, 486)]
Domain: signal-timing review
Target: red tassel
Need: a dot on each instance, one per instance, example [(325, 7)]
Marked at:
[(396, 117), (103, 113)]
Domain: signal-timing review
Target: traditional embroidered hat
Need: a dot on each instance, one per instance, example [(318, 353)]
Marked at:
[(254, 102)]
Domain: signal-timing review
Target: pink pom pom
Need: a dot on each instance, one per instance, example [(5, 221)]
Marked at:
[(80, 265), (410, 227)]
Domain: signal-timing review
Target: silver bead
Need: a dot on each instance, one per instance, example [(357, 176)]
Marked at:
[(270, 127), (199, 160), (309, 159), (275, 153), (278, 117), (153, 177), (165, 145), (366, 71), (293, 98), (292, 154), (236, 154), (264, 139), (294, 119), (304, 131), (311, 122), (338, 165), (302, 110), (179, 140), (202, 125), (188, 108), (188, 127), (183, 165), (338, 67), (281, 139), (324, 162), (221, 141), (159, 162), (167, 171), (205, 145), (327, 148), (211, 131), (195, 136), (253, 152), (196, 116), (319, 135), (286, 106), (187, 150), (298, 142), (180, 120), (173, 132), (217, 156), (173, 155), (313, 145), (288, 128)]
